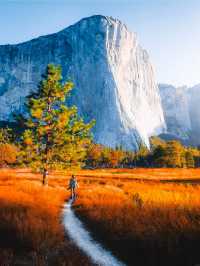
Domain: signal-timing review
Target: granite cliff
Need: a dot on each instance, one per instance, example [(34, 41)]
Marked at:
[(113, 76), (182, 112)]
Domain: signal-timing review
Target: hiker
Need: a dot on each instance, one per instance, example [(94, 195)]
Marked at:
[(72, 186)]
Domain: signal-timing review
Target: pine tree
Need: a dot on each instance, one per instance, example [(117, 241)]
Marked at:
[(6, 135), (158, 156), (141, 156), (94, 155), (189, 159), (56, 137), (173, 154)]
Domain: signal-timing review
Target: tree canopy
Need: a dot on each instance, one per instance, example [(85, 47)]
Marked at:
[(55, 135)]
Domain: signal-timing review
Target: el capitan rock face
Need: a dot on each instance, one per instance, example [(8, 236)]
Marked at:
[(114, 80)]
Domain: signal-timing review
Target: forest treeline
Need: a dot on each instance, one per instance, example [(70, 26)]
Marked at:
[(161, 154)]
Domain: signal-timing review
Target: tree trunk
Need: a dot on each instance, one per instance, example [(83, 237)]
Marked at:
[(45, 172), (45, 178)]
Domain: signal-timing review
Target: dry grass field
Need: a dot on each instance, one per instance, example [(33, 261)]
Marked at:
[(30, 223), (145, 216)]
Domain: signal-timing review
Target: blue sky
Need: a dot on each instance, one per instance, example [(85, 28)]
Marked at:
[(168, 29)]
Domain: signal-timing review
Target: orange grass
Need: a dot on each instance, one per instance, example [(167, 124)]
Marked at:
[(145, 216), (161, 228), (30, 223)]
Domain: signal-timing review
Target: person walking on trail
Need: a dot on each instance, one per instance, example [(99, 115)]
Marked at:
[(73, 184)]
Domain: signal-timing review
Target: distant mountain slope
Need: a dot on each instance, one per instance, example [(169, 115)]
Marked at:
[(182, 112), (113, 77)]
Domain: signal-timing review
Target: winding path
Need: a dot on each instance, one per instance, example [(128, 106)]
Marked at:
[(82, 238)]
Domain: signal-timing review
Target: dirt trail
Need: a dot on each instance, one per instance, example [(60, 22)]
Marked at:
[(82, 238)]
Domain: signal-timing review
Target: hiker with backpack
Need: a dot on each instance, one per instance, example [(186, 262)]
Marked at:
[(73, 184)]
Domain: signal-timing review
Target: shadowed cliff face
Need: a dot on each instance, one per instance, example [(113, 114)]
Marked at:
[(176, 110), (182, 112), (194, 112), (114, 80)]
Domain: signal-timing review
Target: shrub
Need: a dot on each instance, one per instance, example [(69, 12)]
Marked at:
[(137, 200), (8, 154)]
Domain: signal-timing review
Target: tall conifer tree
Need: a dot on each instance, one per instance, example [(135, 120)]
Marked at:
[(56, 137)]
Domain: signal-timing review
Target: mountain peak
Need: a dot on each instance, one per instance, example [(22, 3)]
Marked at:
[(102, 18), (98, 21)]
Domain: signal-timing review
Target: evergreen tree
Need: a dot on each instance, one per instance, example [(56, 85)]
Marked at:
[(6, 135), (93, 157), (158, 156), (156, 141), (115, 158), (129, 159), (55, 136), (141, 156), (105, 157), (189, 159), (173, 154)]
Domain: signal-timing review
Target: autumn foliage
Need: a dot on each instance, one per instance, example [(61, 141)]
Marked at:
[(8, 154), (171, 154)]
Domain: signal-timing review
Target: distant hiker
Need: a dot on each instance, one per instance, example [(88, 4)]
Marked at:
[(72, 186)]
